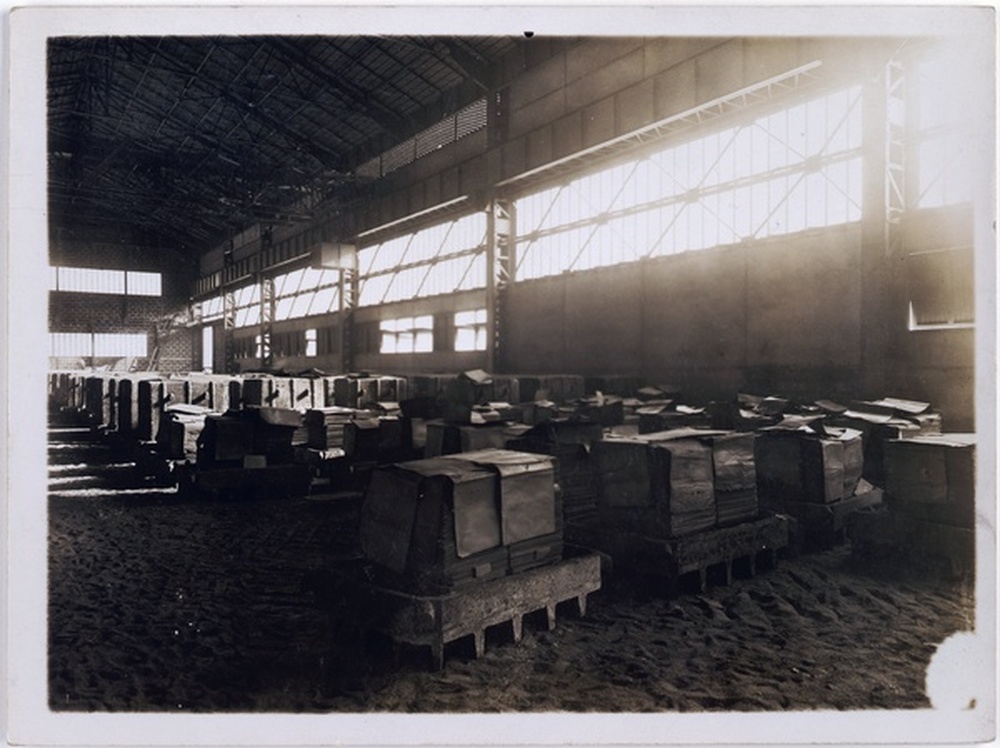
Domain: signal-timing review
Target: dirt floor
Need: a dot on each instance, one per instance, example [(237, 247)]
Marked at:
[(158, 602)]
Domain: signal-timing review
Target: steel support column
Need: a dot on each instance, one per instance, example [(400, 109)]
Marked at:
[(266, 320), (228, 325), (895, 153), (348, 303), (500, 231), (267, 302)]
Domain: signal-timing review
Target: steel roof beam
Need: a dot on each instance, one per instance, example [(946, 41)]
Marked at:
[(383, 117)]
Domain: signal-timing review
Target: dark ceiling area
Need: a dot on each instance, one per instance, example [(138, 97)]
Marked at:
[(188, 140)]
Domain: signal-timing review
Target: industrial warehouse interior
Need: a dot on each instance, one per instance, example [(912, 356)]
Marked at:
[(513, 372)]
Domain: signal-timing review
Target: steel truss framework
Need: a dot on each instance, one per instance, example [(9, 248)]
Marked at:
[(615, 215)]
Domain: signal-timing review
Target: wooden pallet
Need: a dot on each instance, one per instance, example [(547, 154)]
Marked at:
[(666, 561), (894, 540), (434, 621), (823, 526)]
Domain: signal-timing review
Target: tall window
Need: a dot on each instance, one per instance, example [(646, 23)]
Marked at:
[(311, 341), (247, 306), (794, 169), (470, 330), (440, 259), (299, 293), (207, 347), (305, 292), (407, 335)]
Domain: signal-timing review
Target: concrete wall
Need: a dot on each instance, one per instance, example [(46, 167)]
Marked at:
[(781, 316), (934, 365)]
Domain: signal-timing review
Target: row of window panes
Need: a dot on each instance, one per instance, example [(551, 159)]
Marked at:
[(771, 208), (93, 280), (708, 192), (708, 210), (464, 122), (407, 335), (412, 334), (427, 244), (300, 293), (416, 334), (85, 345), (463, 273)]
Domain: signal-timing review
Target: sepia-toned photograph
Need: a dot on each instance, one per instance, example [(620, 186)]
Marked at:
[(502, 363)]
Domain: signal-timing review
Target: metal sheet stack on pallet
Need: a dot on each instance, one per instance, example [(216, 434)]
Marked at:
[(735, 475)]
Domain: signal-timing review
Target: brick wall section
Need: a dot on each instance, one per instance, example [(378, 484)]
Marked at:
[(106, 313), (101, 313)]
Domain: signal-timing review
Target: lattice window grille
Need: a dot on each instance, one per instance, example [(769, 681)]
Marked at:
[(803, 171), (470, 330), (471, 119), (435, 137), (438, 259), (407, 335)]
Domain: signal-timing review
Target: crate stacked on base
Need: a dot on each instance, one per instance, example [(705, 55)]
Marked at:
[(932, 478), (455, 545), (880, 421), (930, 509), (569, 442), (442, 523), (180, 426), (247, 454), (606, 410), (813, 473), (155, 395), (361, 389), (99, 399), (444, 438), (128, 407), (659, 512), (325, 426), (666, 415), (660, 484), (253, 437)]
